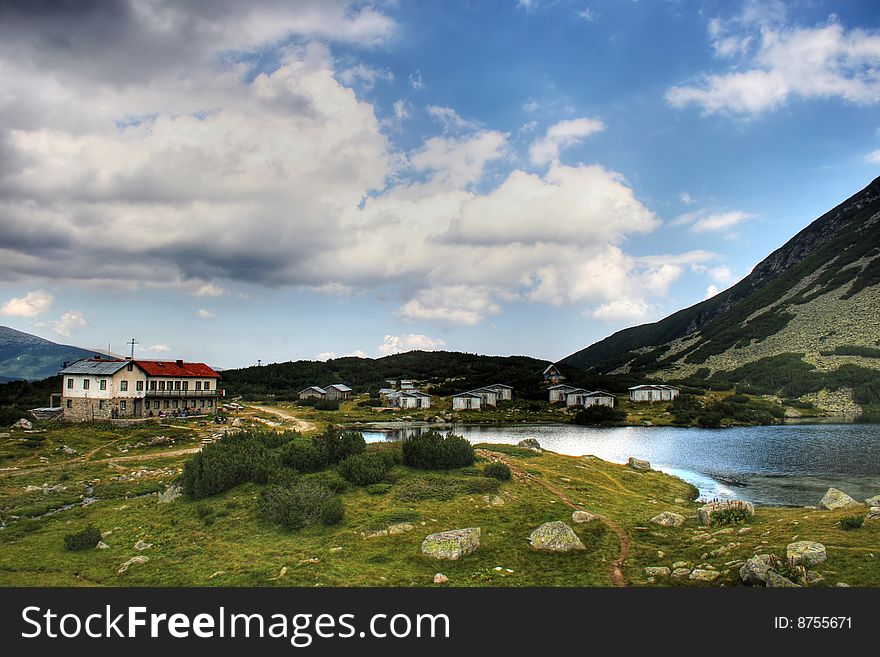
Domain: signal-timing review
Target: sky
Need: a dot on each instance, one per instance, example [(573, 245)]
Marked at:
[(267, 181)]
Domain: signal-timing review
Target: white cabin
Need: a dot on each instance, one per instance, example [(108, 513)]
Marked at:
[(652, 393), (466, 401), (559, 391), (503, 392), (587, 398), (337, 391)]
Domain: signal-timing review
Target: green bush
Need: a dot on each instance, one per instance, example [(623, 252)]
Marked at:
[(339, 446), (329, 478), (499, 471), (600, 415), (293, 506), (378, 489), (364, 469), (85, 539), (433, 451), (235, 459), (731, 515), (391, 452), (304, 455), (709, 420), (332, 511), (852, 522), (326, 405)]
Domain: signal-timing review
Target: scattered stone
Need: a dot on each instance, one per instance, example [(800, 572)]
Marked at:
[(754, 571), (813, 577), (493, 500), (452, 544), (281, 574), (638, 464), (140, 546), (668, 519), (68, 450), (679, 500), (725, 530), (806, 553), (101, 546), (310, 560), (441, 579), (400, 528), (555, 536), (873, 501), (775, 580), (23, 424), (133, 560), (170, 494), (873, 513), (842, 585), (704, 575), (744, 530), (336, 549), (583, 516), (217, 574), (375, 534), (706, 511), (837, 499), (679, 573), (657, 571), (680, 564), (530, 443)]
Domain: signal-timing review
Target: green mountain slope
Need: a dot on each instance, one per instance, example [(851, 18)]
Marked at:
[(25, 356), (803, 324)]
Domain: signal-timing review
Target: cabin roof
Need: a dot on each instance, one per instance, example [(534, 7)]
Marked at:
[(176, 368), (95, 366), (315, 388)]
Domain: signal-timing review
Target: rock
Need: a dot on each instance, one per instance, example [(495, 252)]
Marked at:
[(68, 450), (813, 577), (493, 500), (744, 530), (871, 501), (873, 513), (657, 571), (555, 536), (530, 443), (23, 424), (140, 546), (101, 546), (678, 573), (441, 579), (170, 494), (842, 585), (679, 500), (706, 511), (837, 499), (237, 422), (704, 575), (754, 571), (806, 553), (400, 528), (131, 561), (680, 564), (337, 548), (452, 544), (668, 519), (638, 464), (5, 435), (583, 516), (775, 580)]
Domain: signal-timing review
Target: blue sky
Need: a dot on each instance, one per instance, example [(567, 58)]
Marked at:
[(285, 180)]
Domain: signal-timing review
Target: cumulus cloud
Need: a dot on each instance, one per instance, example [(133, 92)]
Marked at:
[(561, 135), (705, 221), (455, 304), (622, 310), (395, 344), (32, 304), (66, 325), (157, 349), (873, 157), (204, 313), (774, 62), (711, 291)]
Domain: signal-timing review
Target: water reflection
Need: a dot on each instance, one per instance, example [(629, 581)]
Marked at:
[(778, 465)]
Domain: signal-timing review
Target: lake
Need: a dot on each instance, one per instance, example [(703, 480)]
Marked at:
[(788, 465)]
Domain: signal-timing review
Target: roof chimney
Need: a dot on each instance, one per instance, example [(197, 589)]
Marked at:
[(179, 362)]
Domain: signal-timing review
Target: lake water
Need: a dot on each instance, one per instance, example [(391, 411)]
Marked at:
[(775, 465)]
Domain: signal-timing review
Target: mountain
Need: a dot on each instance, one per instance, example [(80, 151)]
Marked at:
[(25, 356), (803, 325)]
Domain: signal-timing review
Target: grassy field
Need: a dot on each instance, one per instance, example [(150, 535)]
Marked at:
[(220, 541)]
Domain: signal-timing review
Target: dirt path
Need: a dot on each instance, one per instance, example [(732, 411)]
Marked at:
[(300, 425), (617, 567)]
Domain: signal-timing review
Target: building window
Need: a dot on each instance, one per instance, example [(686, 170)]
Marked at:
[(103, 384), (198, 385), (69, 403), (69, 384), (130, 367), (175, 403), (156, 404), (202, 403), (186, 385), (166, 404), (122, 404), (123, 386), (177, 385), (152, 385), (207, 385), (139, 386), (101, 405), (85, 384), (210, 403)]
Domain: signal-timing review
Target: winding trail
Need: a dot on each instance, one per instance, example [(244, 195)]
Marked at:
[(299, 424), (617, 567)]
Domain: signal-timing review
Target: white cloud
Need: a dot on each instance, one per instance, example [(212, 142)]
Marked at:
[(366, 76), (402, 109), (157, 349), (415, 80), (32, 304), (873, 157), (394, 344), (204, 314), (705, 221), (450, 119), (66, 325), (711, 291), (457, 162), (209, 290), (530, 105), (561, 135), (586, 14), (687, 199), (776, 63), (455, 304), (622, 310)]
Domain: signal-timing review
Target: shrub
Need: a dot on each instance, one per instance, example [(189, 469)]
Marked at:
[(329, 478), (499, 471), (332, 511), (326, 405), (281, 476), (235, 459), (600, 415), (364, 469), (85, 539), (378, 489), (433, 451), (303, 454), (709, 420), (339, 446), (391, 452), (293, 506), (852, 522), (730, 516)]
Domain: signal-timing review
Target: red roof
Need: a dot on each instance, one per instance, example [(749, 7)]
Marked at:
[(176, 368)]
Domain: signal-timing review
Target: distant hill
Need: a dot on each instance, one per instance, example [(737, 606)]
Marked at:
[(25, 356), (438, 372), (804, 324)]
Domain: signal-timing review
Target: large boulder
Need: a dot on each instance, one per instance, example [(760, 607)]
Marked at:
[(23, 424), (704, 575), (754, 571), (668, 519), (806, 553), (775, 580), (706, 511), (452, 544), (170, 494), (555, 536), (638, 464), (837, 499), (873, 513), (530, 443), (873, 501)]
